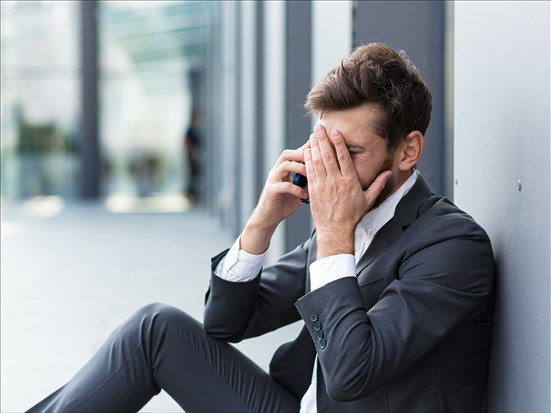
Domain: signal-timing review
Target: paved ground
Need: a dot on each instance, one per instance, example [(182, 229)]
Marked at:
[(71, 273)]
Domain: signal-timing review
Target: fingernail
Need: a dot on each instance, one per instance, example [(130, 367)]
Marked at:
[(335, 133), (318, 128)]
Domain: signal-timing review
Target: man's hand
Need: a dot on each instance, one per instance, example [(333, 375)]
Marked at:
[(280, 198), (337, 200)]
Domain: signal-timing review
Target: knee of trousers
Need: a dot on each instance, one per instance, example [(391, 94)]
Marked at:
[(154, 320)]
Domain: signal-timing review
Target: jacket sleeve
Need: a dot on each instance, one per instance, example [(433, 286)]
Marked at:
[(444, 282), (238, 310)]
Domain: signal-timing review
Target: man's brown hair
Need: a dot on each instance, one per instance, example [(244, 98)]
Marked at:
[(377, 74)]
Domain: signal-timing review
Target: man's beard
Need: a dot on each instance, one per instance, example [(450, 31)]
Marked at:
[(388, 189)]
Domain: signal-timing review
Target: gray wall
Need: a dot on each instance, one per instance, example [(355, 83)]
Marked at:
[(502, 134)]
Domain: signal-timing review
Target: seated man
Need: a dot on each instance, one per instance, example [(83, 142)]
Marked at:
[(394, 286)]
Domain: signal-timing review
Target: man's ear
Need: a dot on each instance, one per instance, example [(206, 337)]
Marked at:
[(410, 150)]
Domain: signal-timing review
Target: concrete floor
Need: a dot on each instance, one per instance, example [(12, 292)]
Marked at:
[(71, 273)]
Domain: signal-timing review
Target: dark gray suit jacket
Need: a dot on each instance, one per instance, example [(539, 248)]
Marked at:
[(410, 334)]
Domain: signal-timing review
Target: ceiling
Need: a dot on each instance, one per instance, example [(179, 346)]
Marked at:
[(156, 31)]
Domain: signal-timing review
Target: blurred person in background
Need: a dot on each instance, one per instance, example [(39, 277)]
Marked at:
[(192, 142), (394, 286)]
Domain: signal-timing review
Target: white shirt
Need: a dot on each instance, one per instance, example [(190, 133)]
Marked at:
[(240, 266)]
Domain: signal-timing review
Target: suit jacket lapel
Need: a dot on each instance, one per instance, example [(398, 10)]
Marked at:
[(386, 235)]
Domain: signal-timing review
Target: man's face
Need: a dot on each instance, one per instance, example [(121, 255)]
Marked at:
[(368, 150)]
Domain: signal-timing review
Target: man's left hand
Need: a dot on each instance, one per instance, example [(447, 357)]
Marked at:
[(337, 201)]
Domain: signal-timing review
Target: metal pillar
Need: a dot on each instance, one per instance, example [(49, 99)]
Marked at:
[(298, 82), (89, 119)]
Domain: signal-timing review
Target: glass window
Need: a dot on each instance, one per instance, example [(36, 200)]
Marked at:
[(147, 52), (40, 98)]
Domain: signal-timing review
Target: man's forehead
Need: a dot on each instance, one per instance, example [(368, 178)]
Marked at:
[(355, 125)]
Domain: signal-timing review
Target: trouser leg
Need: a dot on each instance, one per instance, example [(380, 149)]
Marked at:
[(161, 347)]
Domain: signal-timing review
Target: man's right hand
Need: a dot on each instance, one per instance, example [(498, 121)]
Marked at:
[(280, 198)]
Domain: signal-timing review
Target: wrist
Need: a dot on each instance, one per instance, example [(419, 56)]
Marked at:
[(255, 238), (334, 244)]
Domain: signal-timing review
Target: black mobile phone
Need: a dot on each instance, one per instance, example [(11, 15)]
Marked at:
[(300, 180)]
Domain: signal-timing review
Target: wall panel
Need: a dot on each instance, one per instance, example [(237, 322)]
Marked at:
[(502, 177)]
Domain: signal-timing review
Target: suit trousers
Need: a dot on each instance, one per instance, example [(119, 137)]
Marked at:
[(161, 347)]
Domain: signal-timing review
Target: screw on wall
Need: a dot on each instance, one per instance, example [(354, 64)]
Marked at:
[(519, 185)]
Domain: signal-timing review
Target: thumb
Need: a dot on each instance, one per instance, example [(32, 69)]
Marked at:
[(374, 190)]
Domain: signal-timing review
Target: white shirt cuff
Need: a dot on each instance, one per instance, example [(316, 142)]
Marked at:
[(238, 265), (331, 268)]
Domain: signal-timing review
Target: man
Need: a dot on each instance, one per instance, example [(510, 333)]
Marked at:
[(394, 286), (192, 143)]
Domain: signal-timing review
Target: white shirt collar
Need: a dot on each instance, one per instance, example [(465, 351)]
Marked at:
[(375, 219)]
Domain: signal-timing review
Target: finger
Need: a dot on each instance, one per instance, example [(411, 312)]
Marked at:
[(291, 155), (343, 155), (284, 170), (310, 173), (376, 187), (317, 162), (290, 189), (326, 150)]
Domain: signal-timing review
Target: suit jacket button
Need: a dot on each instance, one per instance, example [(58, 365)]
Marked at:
[(317, 326), (319, 334), (323, 343), (313, 317)]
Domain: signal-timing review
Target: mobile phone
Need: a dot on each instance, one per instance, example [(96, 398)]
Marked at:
[(300, 180)]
